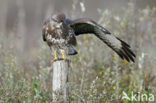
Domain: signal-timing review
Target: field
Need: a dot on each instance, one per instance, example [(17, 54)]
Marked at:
[(96, 74)]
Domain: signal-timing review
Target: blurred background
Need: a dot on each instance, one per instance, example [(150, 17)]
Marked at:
[(97, 74)]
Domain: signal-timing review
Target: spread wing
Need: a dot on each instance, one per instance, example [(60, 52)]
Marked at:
[(84, 26)]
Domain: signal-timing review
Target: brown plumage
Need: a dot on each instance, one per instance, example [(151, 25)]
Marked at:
[(60, 31)]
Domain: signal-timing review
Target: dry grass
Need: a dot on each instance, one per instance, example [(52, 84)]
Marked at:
[(97, 75)]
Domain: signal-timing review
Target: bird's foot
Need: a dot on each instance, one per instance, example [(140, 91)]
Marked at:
[(55, 57), (63, 56)]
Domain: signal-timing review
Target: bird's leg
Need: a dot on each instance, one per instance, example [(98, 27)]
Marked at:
[(55, 57), (63, 56)]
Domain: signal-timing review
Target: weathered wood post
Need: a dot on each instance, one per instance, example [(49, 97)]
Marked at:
[(60, 79)]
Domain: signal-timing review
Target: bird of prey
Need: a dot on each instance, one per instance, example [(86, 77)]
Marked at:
[(60, 32)]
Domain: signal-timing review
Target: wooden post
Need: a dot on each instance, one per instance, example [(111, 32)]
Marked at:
[(60, 79)]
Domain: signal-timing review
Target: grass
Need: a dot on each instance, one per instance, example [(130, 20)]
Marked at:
[(96, 75)]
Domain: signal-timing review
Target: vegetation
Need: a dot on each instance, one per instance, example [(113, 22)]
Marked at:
[(97, 74)]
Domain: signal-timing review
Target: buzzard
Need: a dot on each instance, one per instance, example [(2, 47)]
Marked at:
[(60, 32)]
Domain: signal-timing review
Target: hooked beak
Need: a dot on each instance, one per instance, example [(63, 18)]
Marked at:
[(59, 25)]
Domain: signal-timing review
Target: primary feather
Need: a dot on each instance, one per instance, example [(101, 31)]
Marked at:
[(83, 26)]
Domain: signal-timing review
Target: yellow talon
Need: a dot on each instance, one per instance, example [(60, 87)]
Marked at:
[(56, 58), (63, 57)]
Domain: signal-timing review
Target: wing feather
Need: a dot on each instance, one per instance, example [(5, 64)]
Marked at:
[(85, 26)]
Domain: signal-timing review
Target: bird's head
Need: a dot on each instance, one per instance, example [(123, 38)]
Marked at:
[(58, 19)]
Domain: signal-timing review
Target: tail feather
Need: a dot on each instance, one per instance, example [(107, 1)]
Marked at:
[(71, 51)]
